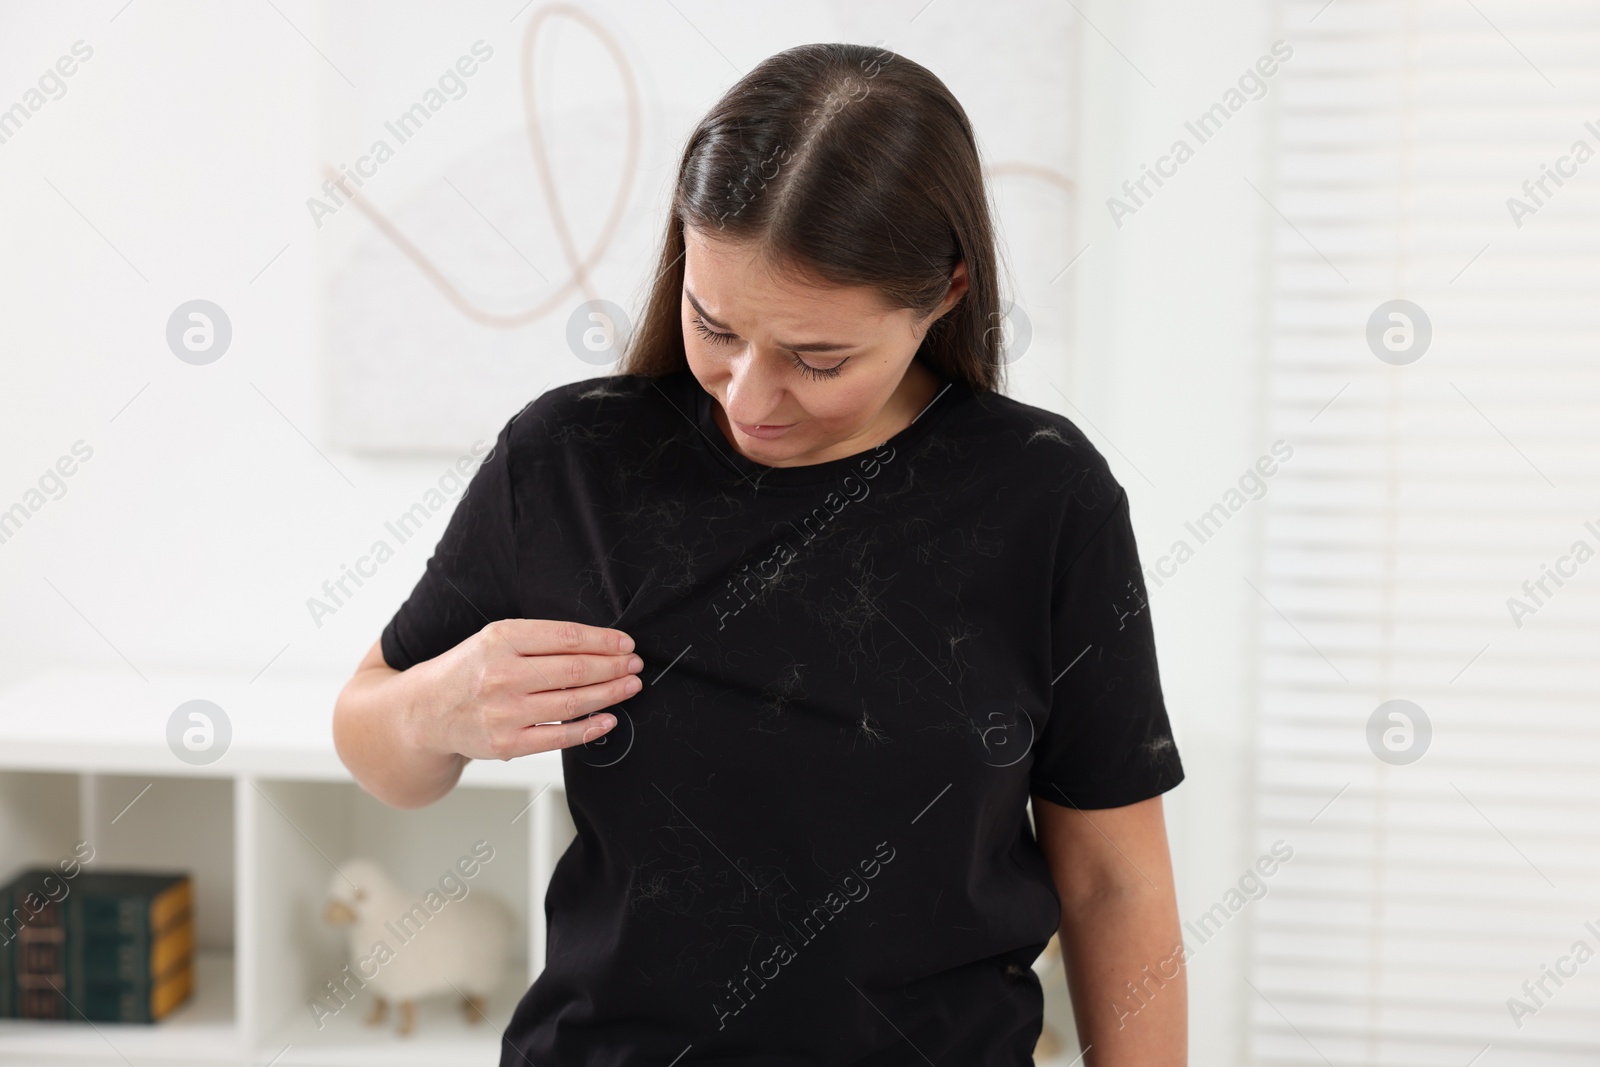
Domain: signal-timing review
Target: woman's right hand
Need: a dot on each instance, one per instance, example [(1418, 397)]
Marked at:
[(520, 686)]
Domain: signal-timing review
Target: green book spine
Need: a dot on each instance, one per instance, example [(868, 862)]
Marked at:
[(114, 1003), (99, 954), (123, 1004), (113, 958), (96, 928), (111, 948), (100, 961), (122, 916)]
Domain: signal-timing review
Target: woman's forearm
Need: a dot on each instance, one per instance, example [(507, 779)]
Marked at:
[(374, 732), (1120, 937), (1123, 951)]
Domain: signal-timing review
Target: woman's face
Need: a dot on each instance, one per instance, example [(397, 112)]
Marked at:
[(802, 373)]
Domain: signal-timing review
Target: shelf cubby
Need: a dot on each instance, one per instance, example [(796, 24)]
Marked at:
[(262, 831)]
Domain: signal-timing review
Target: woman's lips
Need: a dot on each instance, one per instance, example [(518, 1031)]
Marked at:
[(762, 431)]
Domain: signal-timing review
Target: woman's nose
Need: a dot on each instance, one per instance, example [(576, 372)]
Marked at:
[(755, 388)]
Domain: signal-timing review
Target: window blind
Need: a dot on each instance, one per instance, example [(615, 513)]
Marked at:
[(1435, 539)]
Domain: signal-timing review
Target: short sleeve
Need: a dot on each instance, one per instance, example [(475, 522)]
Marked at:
[(1107, 741), (471, 578)]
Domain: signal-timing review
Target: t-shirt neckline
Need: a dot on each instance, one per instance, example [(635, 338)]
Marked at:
[(740, 468)]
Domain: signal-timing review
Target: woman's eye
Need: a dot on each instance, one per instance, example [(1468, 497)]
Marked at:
[(711, 335), (817, 372), (718, 338)]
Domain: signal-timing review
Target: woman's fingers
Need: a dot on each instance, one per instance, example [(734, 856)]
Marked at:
[(544, 637), (536, 674), (540, 682), (547, 736), (563, 705), (580, 731)]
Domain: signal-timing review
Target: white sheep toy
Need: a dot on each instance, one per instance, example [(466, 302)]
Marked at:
[(449, 938)]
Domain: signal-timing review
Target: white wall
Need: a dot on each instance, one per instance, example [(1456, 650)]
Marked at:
[(1168, 350)]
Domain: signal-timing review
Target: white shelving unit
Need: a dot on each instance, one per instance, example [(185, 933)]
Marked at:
[(84, 757)]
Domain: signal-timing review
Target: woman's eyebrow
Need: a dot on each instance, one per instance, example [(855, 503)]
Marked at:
[(808, 346)]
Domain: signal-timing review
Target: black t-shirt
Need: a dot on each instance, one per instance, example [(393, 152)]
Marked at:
[(806, 840)]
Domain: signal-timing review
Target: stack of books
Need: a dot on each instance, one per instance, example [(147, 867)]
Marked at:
[(108, 946)]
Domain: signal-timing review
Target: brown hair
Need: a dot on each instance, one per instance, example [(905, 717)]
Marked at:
[(849, 165)]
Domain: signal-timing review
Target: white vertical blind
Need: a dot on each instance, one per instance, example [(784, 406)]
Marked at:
[(1420, 498)]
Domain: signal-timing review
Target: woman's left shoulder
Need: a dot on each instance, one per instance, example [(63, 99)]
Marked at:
[(1043, 447)]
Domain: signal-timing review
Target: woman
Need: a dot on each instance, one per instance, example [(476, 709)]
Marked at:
[(812, 610)]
